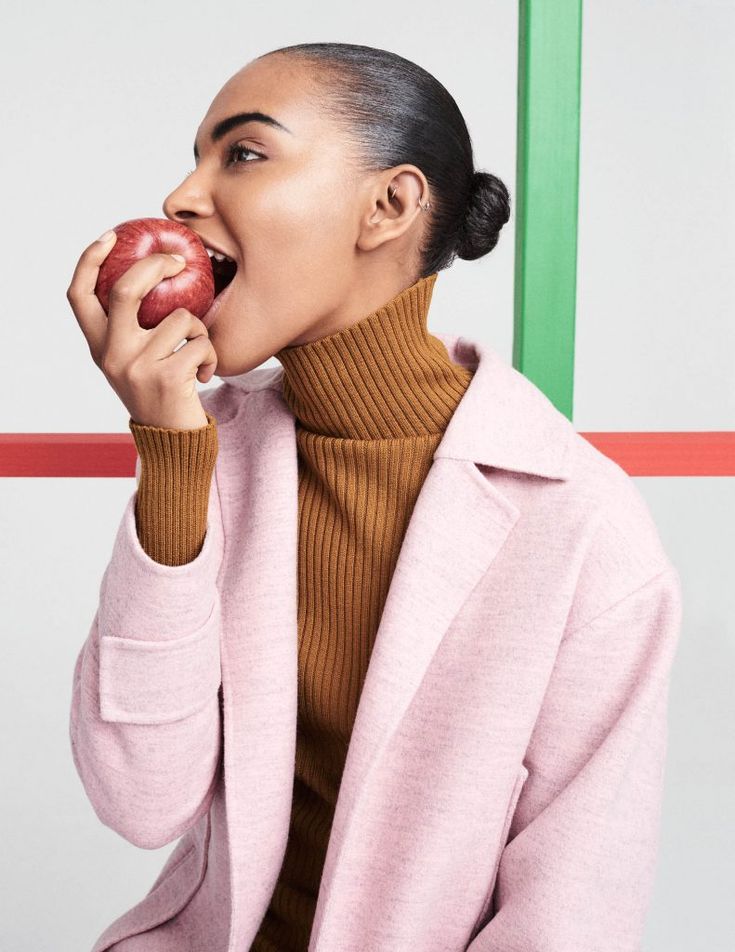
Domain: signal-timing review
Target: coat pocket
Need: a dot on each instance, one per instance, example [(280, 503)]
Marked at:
[(174, 888), (515, 794)]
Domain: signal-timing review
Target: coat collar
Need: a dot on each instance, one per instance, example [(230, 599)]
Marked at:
[(503, 420)]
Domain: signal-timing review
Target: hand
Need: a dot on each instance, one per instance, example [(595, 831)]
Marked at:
[(156, 385)]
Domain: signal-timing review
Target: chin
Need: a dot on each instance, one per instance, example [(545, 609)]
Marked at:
[(237, 368)]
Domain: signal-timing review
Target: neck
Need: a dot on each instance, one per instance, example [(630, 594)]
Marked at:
[(383, 377)]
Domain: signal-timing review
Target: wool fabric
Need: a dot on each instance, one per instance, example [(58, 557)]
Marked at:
[(172, 500), (371, 403)]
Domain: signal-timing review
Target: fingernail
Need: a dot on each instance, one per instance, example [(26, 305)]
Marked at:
[(179, 257), (107, 235)]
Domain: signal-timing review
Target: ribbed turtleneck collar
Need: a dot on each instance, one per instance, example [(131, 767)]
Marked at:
[(383, 377)]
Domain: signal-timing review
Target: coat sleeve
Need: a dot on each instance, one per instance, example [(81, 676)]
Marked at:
[(145, 719), (578, 869)]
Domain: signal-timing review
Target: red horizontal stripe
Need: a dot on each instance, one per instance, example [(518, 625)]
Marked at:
[(698, 453), (67, 454)]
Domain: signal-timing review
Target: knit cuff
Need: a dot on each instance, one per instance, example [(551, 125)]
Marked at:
[(173, 492)]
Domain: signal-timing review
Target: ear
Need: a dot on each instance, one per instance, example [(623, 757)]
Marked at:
[(392, 206)]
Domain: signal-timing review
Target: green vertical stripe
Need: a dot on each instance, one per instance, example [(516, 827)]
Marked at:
[(547, 176)]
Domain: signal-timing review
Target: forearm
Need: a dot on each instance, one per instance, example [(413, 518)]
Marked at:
[(173, 492)]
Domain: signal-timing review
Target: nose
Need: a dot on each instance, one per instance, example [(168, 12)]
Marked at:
[(186, 201)]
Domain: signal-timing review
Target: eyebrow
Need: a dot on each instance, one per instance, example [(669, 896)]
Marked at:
[(225, 125)]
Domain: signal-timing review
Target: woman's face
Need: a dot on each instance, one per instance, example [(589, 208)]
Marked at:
[(318, 245)]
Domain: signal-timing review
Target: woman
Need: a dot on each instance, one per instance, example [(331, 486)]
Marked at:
[(397, 520)]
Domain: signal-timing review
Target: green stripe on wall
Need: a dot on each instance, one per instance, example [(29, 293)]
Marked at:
[(547, 178)]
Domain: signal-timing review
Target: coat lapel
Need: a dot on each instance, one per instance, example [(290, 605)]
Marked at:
[(458, 525)]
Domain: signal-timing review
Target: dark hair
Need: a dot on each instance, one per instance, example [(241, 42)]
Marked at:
[(395, 112)]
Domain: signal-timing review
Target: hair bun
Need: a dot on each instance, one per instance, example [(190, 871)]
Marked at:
[(488, 209)]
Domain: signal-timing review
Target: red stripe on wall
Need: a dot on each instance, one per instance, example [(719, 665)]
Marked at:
[(698, 453), (67, 454)]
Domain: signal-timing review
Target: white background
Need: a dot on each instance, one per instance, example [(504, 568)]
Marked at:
[(100, 105)]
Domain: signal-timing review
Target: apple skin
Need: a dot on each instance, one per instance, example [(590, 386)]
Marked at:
[(192, 288)]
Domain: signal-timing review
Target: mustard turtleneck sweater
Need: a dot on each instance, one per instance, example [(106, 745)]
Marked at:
[(371, 403)]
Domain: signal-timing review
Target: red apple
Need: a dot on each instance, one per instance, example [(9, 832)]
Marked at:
[(193, 287)]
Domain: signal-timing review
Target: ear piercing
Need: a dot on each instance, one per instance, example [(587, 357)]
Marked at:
[(425, 207)]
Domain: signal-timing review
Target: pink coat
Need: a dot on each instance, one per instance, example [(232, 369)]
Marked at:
[(503, 784)]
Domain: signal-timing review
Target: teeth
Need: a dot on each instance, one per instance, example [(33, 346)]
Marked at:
[(218, 256)]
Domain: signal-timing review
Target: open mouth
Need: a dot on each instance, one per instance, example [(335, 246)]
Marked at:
[(224, 271)]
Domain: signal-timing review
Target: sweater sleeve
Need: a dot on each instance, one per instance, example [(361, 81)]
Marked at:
[(173, 491)]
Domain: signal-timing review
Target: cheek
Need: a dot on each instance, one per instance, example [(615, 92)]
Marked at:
[(297, 229), (282, 206), (304, 212)]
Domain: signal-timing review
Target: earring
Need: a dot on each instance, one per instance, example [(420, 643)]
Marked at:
[(425, 207)]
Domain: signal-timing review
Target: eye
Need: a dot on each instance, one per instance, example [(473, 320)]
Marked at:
[(235, 150)]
